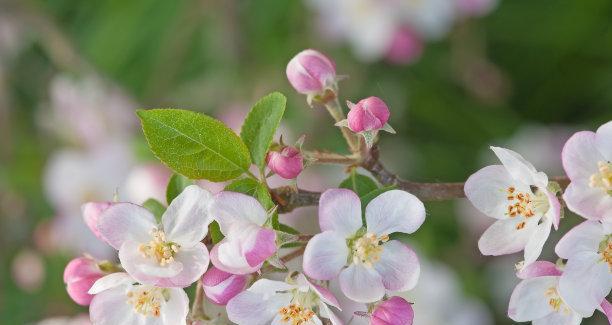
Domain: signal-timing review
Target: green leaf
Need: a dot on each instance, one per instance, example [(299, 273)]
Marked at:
[(194, 145), (261, 124), (215, 232), (360, 184), (288, 229), (176, 185), (155, 207), (253, 188), (365, 199)]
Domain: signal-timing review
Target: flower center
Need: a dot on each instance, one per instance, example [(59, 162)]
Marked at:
[(525, 205), (603, 178), (605, 249), (146, 301), (295, 314), (555, 302), (368, 248), (159, 249)]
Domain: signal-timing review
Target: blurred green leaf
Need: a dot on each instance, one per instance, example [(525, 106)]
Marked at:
[(360, 184), (194, 145), (365, 199), (253, 188), (155, 207), (176, 185), (260, 126)]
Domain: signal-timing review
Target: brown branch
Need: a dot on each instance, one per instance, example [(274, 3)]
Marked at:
[(288, 198)]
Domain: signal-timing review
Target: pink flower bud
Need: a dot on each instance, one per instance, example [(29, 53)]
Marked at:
[(395, 311), (91, 213), (220, 287), (368, 114), (406, 47), (288, 163), (79, 275), (311, 72)]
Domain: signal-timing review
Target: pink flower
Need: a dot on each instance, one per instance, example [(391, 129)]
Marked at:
[(276, 302), (367, 117), (79, 275), (246, 244), (169, 254), (310, 72), (587, 277), (221, 286), (406, 46), (587, 160), (517, 195), (538, 299), (395, 311), (375, 263), (288, 163), (119, 300), (147, 181), (91, 214)]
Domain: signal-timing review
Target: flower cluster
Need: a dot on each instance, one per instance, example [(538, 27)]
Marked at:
[(526, 206)]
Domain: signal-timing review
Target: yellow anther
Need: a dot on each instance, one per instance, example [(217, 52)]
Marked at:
[(159, 249), (603, 177), (295, 314), (368, 249), (146, 301)]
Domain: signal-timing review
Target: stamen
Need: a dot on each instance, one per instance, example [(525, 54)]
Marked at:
[(368, 248), (295, 314), (603, 178), (159, 249), (555, 302), (146, 301), (605, 250)]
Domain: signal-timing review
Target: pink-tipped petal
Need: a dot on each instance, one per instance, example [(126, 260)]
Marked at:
[(310, 72), (340, 211), (325, 255), (395, 311), (260, 247), (361, 284), (589, 202), (537, 269), (554, 212), (585, 282), (227, 256), (91, 214), (186, 219), (606, 306), (288, 163), (580, 156), (394, 211), (221, 286), (79, 275), (398, 267), (124, 221), (324, 294), (368, 114)]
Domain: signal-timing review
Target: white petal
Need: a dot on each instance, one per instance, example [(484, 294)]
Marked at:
[(250, 308), (124, 221), (186, 219), (144, 269), (398, 267), (229, 207), (580, 156), (487, 190), (589, 202), (340, 211), (175, 310), (195, 262), (503, 237), (603, 140), (361, 284), (326, 312), (529, 300), (520, 168), (268, 288), (110, 307), (394, 211), (325, 255), (585, 237), (560, 318), (110, 281), (227, 256), (585, 282), (536, 242)]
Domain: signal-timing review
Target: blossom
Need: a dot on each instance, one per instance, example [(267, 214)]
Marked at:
[(537, 298), (406, 46), (288, 163), (587, 277), (169, 254), (296, 301), (246, 244), (79, 275), (367, 117), (311, 73), (91, 214), (221, 286), (375, 263), (119, 300), (147, 181), (394, 311), (587, 160), (517, 195)]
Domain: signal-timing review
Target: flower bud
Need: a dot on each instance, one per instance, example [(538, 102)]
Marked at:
[(370, 114), (406, 47), (91, 213), (395, 311), (311, 72), (288, 163), (220, 287), (79, 275)]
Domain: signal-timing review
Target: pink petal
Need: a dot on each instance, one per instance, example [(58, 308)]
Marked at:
[(340, 211), (325, 255), (220, 286), (538, 268), (260, 247), (324, 294), (91, 214), (394, 211), (124, 221), (395, 311), (227, 256)]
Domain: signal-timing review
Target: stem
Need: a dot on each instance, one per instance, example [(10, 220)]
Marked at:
[(197, 309), (335, 110), (323, 157)]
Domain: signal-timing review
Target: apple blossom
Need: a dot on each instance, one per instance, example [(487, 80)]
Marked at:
[(406, 46), (119, 300), (311, 73), (537, 298), (587, 160), (375, 263), (394, 311), (246, 244), (297, 301), (367, 117), (587, 277), (287, 163), (91, 214), (221, 286), (517, 195), (169, 254), (79, 275)]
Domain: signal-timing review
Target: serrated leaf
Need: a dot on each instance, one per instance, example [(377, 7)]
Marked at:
[(195, 145), (215, 232), (155, 207), (253, 188), (360, 184), (260, 126), (176, 185)]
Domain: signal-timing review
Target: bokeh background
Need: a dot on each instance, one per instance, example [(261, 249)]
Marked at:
[(519, 73)]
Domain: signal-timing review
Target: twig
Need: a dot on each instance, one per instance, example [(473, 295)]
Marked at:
[(197, 308)]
